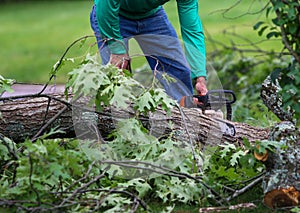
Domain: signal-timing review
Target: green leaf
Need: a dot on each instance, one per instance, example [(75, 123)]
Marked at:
[(161, 97), (87, 79), (235, 157), (140, 185), (292, 28), (58, 170), (232, 175), (5, 84), (275, 74), (226, 149), (278, 5), (122, 97), (295, 210), (292, 13), (131, 130), (145, 102), (268, 11), (270, 145), (246, 143)]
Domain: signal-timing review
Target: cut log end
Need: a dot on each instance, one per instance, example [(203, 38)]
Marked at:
[(279, 198), (261, 156)]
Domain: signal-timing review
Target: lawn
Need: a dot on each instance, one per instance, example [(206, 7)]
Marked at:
[(34, 35)]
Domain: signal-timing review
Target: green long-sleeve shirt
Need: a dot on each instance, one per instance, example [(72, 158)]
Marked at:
[(191, 27)]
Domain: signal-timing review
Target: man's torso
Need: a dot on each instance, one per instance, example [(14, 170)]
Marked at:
[(136, 9)]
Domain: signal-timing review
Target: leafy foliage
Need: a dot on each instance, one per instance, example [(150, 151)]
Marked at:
[(115, 176), (108, 85), (244, 75), (70, 174), (232, 165)]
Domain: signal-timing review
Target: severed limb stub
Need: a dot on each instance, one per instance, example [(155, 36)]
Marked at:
[(281, 184), (285, 197)]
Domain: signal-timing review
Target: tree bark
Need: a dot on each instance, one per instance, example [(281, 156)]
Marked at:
[(281, 184), (29, 116), (271, 98), (282, 181)]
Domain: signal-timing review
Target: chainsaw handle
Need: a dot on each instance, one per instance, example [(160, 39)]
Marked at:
[(202, 98), (218, 96)]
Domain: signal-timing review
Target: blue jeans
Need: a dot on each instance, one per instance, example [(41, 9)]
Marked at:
[(159, 43)]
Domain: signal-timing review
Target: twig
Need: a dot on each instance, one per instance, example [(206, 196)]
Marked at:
[(81, 188), (155, 168), (244, 189), (135, 205), (48, 123), (61, 60), (190, 140), (47, 110), (225, 11), (224, 208), (114, 190), (84, 177)]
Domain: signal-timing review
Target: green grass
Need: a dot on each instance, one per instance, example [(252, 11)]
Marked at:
[(34, 35)]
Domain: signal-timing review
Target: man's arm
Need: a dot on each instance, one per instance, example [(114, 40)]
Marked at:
[(193, 36), (194, 42), (107, 12)]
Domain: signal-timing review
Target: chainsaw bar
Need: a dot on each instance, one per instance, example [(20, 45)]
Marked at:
[(214, 99), (227, 128)]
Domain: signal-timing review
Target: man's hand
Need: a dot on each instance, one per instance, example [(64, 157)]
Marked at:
[(121, 61), (201, 86)]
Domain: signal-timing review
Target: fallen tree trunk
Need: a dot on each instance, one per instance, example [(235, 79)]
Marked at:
[(28, 116)]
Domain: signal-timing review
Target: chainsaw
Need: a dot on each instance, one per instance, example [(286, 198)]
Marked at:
[(214, 100)]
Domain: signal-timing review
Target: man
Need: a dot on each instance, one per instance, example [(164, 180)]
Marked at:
[(116, 21)]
